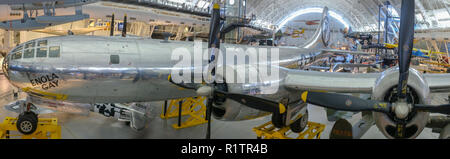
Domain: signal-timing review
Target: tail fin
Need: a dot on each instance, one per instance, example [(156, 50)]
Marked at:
[(321, 37)]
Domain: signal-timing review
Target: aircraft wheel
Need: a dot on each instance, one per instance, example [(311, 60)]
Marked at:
[(27, 123), (31, 114), (278, 120), (300, 125)]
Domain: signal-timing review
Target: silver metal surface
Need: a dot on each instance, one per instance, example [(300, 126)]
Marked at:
[(320, 38), (84, 73), (26, 126), (438, 82), (385, 83), (96, 126), (330, 82)]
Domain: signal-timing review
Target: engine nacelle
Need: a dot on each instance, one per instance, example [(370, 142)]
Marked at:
[(419, 92), (230, 110)]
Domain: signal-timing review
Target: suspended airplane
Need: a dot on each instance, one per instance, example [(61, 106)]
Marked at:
[(308, 22), (81, 31), (289, 31), (30, 22)]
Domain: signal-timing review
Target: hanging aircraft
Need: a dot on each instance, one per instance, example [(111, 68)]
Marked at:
[(308, 22), (80, 31), (49, 18), (89, 69), (289, 31)]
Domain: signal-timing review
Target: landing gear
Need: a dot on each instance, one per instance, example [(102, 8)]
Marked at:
[(300, 124), (27, 121), (278, 120)]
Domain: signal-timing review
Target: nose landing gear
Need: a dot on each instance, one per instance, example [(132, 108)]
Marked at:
[(27, 121)]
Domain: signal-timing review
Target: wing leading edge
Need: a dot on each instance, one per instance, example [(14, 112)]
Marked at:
[(331, 81), (439, 83), (352, 83)]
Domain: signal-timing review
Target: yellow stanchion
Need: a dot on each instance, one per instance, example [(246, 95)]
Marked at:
[(269, 131), (193, 107), (47, 128)]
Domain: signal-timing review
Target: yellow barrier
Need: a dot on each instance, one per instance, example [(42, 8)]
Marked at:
[(47, 128), (269, 131), (391, 46), (194, 107)]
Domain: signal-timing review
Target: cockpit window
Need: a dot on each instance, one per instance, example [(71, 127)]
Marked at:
[(54, 52), (41, 52), (42, 43), (29, 53), (17, 55), (18, 48), (30, 45)]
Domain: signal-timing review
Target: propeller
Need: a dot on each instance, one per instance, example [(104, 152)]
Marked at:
[(405, 45), (210, 90), (124, 29), (250, 101), (406, 39), (213, 45), (443, 109), (399, 110), (111, 33)]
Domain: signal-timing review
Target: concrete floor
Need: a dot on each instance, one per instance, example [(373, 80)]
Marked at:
[(96, 126)]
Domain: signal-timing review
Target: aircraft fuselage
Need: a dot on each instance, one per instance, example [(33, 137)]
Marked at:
[(85, 69)]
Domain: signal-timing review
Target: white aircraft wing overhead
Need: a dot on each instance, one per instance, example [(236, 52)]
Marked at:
[(81, 31), (439, 83), (331, 81), (23, 1)]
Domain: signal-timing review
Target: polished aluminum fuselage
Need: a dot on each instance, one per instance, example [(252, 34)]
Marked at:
[(84, 73)]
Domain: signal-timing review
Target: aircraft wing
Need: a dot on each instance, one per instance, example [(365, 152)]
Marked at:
[(81, 31), (347, 52), (331, 81), (439, 83), (351, 83), (23, 1)]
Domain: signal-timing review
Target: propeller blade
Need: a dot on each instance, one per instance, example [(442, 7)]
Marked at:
[(345, 102), (400, 133), (208, 117), (213, 39), (183, 85), (443, 109), (254, 102), (406, 39), (111, 33), (124, 29)]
